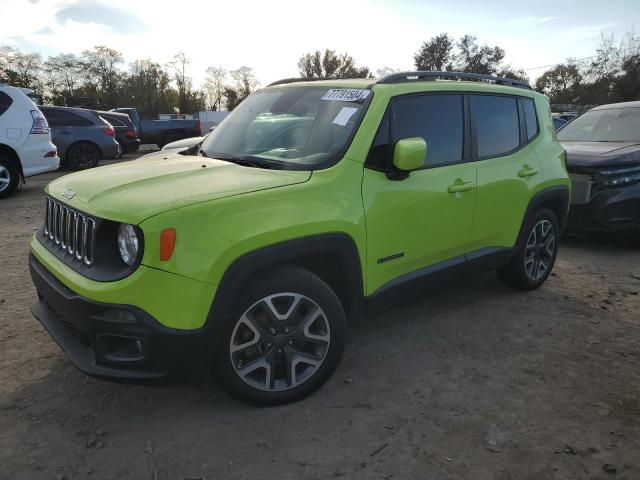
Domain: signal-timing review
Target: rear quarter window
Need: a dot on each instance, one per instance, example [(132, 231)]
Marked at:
[(5, 102), (495, 119)]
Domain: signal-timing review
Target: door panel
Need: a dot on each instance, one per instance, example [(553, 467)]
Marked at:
[(416, 222), (506, 180), (505, 186)]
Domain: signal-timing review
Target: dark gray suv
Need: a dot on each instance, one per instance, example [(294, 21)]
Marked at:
[(82, 137)]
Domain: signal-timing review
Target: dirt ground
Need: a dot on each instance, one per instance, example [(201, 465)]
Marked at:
[(475, 381)]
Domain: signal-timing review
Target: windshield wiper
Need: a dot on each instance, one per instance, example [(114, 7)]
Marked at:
[(240, 161)]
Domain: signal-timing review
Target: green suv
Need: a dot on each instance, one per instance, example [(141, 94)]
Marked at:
[(244, 256)]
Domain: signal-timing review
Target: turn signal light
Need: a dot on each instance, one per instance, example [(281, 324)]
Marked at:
[(167, 243)]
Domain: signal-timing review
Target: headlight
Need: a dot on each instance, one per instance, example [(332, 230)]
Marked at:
[(127, 243), (620, 176)]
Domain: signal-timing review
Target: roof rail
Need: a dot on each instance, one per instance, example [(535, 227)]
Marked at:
[(435, 75), (296, 79)]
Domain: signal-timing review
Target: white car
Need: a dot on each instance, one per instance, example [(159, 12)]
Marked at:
[(25, 140)]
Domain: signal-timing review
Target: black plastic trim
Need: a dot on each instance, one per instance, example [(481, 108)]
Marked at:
[(78, 324), (293, 251)]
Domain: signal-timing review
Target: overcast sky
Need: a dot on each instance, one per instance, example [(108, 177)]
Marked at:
[(271, 35)]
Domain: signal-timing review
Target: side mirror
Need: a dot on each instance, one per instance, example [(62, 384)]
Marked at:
[(409, 154)]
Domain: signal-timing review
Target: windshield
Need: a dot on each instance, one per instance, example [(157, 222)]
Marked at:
[(609, 125), (289, 127)]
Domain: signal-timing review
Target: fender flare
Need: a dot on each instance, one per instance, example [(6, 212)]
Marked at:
[(558, 193), (340, 245)]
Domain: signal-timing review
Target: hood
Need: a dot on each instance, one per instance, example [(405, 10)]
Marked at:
[(134, 191), (601, 154)]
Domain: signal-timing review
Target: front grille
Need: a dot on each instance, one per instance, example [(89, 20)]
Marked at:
[(69, 231)]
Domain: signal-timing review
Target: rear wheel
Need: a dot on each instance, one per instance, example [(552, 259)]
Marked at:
[(9, 177), (536, 253), (82, 156), (284, 340)]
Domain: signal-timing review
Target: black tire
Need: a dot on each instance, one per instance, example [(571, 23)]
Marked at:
[(83, 155), (281, 351), (9, 176), (537, 249)]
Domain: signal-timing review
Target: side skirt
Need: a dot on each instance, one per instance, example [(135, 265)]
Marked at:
[(433, 276)]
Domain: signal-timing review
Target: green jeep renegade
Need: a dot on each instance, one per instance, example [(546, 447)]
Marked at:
[(245, 256)]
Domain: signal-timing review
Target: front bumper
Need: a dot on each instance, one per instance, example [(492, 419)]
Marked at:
[(116, 342), (610, 209)]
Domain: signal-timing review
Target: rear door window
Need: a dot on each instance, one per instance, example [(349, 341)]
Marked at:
[(5, 102), (60, 118), (114, 121), (495, 119)]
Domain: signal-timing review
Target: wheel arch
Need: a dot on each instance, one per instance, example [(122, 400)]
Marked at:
[(333, 257), (13, 155), (77, 142), (554, 198)]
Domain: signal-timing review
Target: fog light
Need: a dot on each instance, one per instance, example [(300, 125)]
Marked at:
[(120, 348), (119, 316)]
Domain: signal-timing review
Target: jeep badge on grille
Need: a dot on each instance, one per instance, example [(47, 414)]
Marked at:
[(68, 194)]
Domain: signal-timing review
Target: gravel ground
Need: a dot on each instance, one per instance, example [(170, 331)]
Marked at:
[(474, 381)]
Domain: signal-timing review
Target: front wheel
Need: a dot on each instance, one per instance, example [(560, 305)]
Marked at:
[(536, 253), (284, 340)]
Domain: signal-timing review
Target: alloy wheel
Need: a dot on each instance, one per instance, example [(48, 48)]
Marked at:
[(5, 178), (539, 250), (279, 342)]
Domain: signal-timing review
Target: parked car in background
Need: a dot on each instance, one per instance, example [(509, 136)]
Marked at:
[(82, 136), (186, 142), (603, 159), (162, 132), (25, 140), (566, 116), (126, 134), (558, 123)]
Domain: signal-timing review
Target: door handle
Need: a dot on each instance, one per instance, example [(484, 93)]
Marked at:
[(66, 132), (460, 187), (527, 172)]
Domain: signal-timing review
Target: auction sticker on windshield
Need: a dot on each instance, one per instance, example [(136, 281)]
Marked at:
[(346, 94)]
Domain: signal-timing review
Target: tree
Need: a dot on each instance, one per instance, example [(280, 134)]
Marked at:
[(7, 74), (474, 58), (330, 65), (244, 82), (436, 54), (64, 74), (21, 69), (507, 71), (214, 86), (627, 85), (562, 84), (103, 74), (148, 88)]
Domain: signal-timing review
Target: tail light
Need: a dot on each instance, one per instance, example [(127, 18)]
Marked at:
[(40, 124), (199, 128), (108, 131), (132, 134), (50, 154)]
